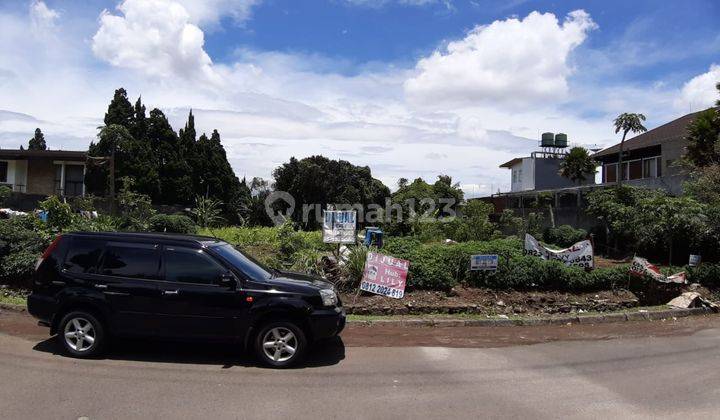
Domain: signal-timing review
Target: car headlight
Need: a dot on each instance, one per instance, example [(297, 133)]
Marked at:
[(329, 298)]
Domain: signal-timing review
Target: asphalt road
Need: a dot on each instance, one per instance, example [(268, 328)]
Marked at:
[(674, 376)]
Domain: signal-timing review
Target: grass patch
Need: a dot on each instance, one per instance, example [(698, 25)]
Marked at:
[(13, 300)]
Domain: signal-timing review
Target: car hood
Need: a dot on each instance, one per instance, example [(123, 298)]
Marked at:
[(287, 280)]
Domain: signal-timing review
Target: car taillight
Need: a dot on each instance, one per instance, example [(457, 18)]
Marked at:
[(48, 251)]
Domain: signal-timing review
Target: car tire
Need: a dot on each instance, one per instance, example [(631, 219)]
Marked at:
[(280, 344), (81, 334)]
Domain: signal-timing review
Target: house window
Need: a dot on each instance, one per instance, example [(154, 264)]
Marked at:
[(635, 169), (3, 171), (611, 172), (650, 168), (73, 180)]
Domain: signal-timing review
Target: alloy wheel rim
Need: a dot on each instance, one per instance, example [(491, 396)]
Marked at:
[(279, 344), (79, 334)]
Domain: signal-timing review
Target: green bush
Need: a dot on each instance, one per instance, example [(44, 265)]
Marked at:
[(22, 241), (563, 236), (707, 275), (173, 223), (5, 193), (102, 223), (59, 214)]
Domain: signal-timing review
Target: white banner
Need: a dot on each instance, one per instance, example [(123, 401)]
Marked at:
[(339, 226), (641, 267), (579, 255)]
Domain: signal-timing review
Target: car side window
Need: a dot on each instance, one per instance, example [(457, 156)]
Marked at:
[(83, 255), (132, 260), (187, 265)]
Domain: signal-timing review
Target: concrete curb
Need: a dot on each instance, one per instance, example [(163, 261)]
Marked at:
[(644, 315)]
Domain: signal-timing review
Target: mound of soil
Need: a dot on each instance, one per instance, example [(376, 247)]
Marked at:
[(489, 302)]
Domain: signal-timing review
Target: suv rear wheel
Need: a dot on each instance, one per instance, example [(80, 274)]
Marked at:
[(280, 344), (81, 334)]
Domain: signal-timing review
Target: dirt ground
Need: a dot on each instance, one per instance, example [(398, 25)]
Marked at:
[(358, 335), (489, 302)]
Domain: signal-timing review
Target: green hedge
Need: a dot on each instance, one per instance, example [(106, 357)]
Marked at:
[(173, 223), (564, 235), (441, 266)]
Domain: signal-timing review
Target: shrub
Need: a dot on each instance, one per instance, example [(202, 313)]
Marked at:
[(307, 261), (102, 223), (563, 236), (707, 275), (355, 264), (22, 240), (5, 193), (59, 214), (173, 223)]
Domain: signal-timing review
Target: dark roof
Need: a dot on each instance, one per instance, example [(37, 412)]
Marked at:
[(199, 239), (511, 163), (55, 154), (672, 131)]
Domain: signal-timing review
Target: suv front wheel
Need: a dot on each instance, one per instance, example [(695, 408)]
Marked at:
[(280, 344), (81, 334)]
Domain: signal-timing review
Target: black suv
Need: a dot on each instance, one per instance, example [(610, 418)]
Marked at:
[(89, 286)]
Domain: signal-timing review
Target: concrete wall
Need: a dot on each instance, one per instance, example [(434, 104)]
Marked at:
[(41, 177), (547, 177), (526, 180)]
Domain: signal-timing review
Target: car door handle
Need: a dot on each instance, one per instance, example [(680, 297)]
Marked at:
[(170, 292), (101, 286)]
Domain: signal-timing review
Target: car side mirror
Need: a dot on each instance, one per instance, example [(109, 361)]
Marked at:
[(228, 280)]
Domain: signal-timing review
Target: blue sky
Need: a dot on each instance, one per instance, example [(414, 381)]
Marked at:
[(409, 87)]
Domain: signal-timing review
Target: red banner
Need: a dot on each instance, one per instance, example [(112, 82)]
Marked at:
[(385, 275)]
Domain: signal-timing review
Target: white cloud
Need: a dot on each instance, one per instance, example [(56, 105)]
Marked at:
[(514, 62), (155, 37), (700, 92), (42, 17), (208, 12)]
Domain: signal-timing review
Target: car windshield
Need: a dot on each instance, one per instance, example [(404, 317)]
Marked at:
[(248, 265)]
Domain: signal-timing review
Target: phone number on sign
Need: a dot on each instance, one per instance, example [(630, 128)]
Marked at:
[(381, 290)]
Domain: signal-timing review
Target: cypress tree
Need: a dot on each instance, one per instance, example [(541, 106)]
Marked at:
[(120, 111), (175, 173), (38, 141)]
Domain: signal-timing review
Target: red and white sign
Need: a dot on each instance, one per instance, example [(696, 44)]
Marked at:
[(384, 275), (641, 267)]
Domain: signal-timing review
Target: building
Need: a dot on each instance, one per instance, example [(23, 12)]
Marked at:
[(650, 159), (43, 172), (540, 170)]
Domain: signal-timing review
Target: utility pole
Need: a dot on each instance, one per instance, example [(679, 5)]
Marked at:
[(113, 203)]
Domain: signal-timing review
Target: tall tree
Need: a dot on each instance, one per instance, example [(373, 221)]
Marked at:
[(120, 111), (37, 142), (318, 180), (217, 179), (578, 165), (138, 127), (627, 122), (175, 174), (188, 147), (132, 159)]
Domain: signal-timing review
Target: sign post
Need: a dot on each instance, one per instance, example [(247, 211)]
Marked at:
[(384, 275), (339, 226), (484, 262)]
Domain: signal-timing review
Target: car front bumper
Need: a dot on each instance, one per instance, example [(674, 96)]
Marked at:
[(326, 323)]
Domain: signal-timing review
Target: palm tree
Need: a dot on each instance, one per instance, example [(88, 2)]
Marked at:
[(578, 165), (626, 123)]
